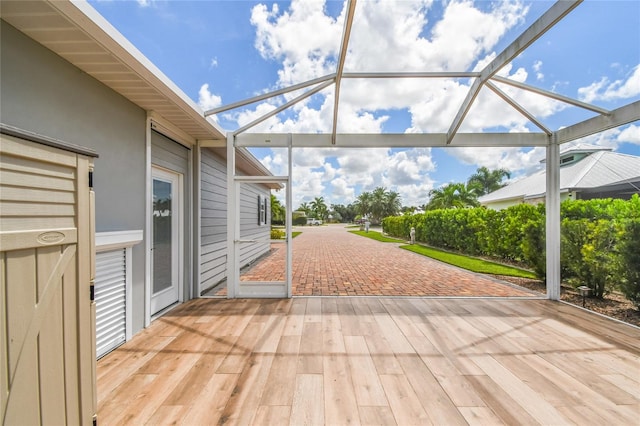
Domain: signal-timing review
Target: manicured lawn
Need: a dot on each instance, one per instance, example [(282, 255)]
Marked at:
[(374, 235), (295, 233), (470, 263)]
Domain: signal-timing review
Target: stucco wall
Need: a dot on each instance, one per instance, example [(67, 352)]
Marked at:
[(43, 93)]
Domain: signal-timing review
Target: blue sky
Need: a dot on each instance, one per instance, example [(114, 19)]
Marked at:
[(219, 52)]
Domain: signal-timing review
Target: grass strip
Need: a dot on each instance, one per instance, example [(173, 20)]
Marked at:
[(295, 233), (470, 263), (375, 235)]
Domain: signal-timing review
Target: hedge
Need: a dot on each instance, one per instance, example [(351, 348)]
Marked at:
[(600, 239)]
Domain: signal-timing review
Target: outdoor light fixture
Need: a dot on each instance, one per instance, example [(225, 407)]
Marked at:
[(584, 292)]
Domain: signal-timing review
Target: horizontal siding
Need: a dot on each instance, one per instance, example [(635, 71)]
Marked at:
[(213, 222)]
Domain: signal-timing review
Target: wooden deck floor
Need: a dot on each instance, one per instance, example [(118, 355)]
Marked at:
[(374, 361)]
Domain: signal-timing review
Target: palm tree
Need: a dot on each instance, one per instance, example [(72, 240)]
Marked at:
[(486, 181), (304, 207), (319, 208), (278, 211), (363, 204), (378, 204), (452, 195), (393, 204)]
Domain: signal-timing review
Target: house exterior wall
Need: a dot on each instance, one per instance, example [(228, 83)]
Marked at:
[(213, 220), (43, 93)]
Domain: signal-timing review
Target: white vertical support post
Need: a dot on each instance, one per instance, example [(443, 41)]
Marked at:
[(232, 261), (197, 219), (289, 216), (553, 219), (148, 224)]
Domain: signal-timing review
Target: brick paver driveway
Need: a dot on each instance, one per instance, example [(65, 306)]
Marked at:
[(328, 260)]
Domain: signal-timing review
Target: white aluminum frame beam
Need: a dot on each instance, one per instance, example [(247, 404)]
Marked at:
[(346, 34), (551, 95), (390, 140), (531, 34), (269, 95), (517, 107), (283, 107), (618, 117)]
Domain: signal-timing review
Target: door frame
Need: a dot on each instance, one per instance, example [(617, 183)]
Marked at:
[(177, 180), (260, 289)]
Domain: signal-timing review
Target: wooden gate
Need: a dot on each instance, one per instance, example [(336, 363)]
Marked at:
[(47, 266)]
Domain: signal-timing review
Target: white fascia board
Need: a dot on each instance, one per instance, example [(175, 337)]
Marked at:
[(86, 18), (392, 140)]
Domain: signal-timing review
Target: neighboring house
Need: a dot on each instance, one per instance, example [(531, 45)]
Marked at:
[(161, 176), (586, 172)]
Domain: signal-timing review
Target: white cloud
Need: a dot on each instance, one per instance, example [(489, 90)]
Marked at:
[(206, 99), (630, 135), (537, 67), (605, 90)]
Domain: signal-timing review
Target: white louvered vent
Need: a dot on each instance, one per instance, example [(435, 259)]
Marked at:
[(110, 298)]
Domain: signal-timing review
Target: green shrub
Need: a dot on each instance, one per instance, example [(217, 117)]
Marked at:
[(534, 247), (629, 266), (299, 221), (277, 234)]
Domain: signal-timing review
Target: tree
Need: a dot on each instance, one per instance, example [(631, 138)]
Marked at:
[(363, 204), (278, 211), (304, 207), (347, 213), (393, 204), (485, 181), (319, 208), (452, 195)]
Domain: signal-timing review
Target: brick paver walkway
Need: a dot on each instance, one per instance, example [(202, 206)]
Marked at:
[(328, 260)]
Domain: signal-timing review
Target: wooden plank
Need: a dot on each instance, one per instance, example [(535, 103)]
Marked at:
[(308, 401), (480, 416), (243, 404), (236, 360), (272, 415), (366, 383), (310, 356), (434, 399), (340, 406), (332, 340), (403, 401), (499, 402), (531, 401), (376, 416), (209, 405), (282, 376), (295, 319)]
